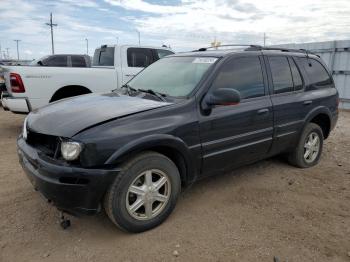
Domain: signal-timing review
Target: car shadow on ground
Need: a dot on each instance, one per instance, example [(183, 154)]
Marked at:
[(190, 194)]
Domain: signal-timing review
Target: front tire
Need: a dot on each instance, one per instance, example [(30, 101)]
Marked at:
[(309, 148), (144, 193)]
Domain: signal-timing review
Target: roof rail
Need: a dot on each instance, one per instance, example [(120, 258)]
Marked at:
[(304, 51), (232, 45), (260, 48)]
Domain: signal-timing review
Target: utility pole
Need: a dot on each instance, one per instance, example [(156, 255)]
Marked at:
[(87, 46), (51, 25), (8, 53), (17, 40), (117, 39), (0, 52), (265, 39), (138, 33)]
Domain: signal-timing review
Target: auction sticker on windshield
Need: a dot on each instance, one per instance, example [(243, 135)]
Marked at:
[(204, 60)]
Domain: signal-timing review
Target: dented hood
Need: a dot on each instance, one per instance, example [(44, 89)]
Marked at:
[(68, 117)]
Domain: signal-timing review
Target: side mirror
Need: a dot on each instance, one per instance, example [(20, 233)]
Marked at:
[(221, 97)]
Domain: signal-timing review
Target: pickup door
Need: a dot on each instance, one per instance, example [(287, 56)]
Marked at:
[(134, 59), (238, 134)]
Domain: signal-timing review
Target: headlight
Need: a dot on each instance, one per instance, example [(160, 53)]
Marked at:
[(70, 150), (24, 131)]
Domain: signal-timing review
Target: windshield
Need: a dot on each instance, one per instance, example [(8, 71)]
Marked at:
[(173, 76)]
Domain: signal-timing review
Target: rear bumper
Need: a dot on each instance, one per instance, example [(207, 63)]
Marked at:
[(71, 189), (15, 104)]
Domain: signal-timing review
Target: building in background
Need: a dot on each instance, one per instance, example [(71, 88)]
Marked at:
[(336, 54)]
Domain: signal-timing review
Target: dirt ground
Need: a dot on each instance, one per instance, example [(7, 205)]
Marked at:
[(253, 214)]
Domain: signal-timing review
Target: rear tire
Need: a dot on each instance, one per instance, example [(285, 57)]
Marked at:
[(309, 148), (144, 193)]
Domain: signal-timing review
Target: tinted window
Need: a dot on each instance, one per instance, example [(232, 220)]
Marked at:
[(78, 61), (56, 61), (298, 82), (104, 57), (317, 74), (161, 53), (139, 57), (244, 75), (281, 74)]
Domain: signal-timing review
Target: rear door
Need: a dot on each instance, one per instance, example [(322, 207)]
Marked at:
[(289, 101), (78, 61), (238, 134), (134, 59)]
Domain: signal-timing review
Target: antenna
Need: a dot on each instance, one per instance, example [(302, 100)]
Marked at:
[(51, 25)]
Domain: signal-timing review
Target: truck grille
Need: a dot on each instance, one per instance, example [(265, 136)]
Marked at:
[(47, 144)]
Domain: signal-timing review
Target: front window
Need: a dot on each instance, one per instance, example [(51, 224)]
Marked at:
[(173, 76)]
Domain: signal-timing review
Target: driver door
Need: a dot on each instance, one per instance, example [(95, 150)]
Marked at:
[(234, 135)]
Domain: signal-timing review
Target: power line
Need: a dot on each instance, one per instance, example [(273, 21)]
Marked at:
[(17, 40), (51, 26)]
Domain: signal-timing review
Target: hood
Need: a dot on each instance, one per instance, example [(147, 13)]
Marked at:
[(68, 117)]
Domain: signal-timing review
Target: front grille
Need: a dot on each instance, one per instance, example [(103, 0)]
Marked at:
[(47, 144)]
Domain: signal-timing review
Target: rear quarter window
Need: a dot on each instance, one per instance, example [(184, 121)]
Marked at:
[(316, 72)]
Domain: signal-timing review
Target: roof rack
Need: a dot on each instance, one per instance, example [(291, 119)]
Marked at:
[(232, 45), (261, 48)]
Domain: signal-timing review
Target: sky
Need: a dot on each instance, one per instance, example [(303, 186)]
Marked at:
[(182, 24)]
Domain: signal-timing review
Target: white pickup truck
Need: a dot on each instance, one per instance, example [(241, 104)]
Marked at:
[(31, 87)]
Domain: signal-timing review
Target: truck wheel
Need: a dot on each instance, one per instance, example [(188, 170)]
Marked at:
[(309, 148), (144, 193)]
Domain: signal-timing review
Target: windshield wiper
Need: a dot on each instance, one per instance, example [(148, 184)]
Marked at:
[(152, 92)]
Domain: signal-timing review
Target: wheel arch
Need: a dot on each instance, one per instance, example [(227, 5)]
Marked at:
[(172, 147), (69, 91), (322, 117)]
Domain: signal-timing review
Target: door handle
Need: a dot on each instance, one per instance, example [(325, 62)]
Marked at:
[(263, 111), (130, 75), (309, 102)]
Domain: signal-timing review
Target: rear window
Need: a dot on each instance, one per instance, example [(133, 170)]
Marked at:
[(139, 57), (78, 61), (103, 57), (318, 75)]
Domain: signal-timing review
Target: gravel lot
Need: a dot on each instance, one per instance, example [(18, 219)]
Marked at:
[(253, 214)]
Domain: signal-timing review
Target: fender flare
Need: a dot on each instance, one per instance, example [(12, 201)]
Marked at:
[(158, 140), (316, 111)]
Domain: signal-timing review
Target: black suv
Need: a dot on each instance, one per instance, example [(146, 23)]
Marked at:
[(185, 117)]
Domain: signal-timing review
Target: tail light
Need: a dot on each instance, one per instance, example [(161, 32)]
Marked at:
[(16, 83)]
